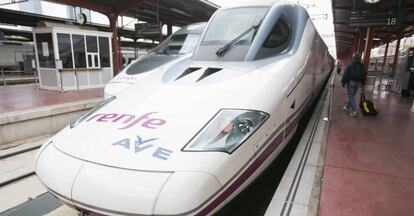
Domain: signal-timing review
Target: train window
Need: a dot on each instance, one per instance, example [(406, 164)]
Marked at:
[(230, 34), (65, 50), (104, 52), (277, 41), (175, 44), (278, 35), (44, 47), (79, 53)]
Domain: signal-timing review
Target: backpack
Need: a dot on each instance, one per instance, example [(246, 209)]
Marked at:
[(367, 107), (357, 72)]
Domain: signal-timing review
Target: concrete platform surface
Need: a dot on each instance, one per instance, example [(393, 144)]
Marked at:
[(20, 97), (370, 160)]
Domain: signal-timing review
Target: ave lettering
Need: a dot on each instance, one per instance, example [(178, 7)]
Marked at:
[(141, 145)]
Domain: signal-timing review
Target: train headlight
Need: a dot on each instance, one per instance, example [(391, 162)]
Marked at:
[(91, 111), (227, 130)]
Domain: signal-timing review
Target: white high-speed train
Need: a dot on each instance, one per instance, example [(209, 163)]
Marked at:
[(193, 135)]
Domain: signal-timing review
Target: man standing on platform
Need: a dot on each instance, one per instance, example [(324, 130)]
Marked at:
[(354, 76)]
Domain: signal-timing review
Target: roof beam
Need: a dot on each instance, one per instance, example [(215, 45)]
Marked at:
[(100, 7), (85, 4), (127, 5)]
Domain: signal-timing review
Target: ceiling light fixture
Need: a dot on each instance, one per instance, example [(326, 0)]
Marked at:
[(371, 1)]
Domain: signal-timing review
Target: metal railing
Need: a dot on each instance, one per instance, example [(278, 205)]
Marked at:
[(5, 80), (4, 77)]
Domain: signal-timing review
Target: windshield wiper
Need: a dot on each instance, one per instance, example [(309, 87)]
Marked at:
[(223, 50)]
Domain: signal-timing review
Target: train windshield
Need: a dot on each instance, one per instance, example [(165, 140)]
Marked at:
[(227, 25), (178, 44), (168, 50)]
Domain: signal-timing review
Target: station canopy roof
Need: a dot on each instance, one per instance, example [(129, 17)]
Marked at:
[(172, 12), (389, 18), (175, 12)]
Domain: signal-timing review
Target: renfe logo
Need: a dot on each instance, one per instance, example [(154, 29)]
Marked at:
[(128, 120)]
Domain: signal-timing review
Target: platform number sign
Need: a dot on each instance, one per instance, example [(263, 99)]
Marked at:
[(367, 18), (138, 29), (391, 21), (147, 29)]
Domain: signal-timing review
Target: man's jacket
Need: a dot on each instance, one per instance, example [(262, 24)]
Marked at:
[(354, 71)]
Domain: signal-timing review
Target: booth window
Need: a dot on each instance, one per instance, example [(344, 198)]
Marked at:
[(92, 51), (45, 52), (277, 41), (79, 51), (104, 52), (65, 50)]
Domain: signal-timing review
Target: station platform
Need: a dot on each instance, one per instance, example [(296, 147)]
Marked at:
[(21, 97), (44, 112), (369, 162)]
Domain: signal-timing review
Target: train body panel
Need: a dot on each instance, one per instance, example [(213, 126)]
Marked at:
[(201, 127)]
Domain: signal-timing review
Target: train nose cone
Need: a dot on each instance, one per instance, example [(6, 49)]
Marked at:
[(57, 171), (187, 193), (111, 190), (114, 191)]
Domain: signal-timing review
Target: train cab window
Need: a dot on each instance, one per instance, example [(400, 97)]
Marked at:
[(175, 44), (277, 41), (278, 35), (230, 34), (179, 44)]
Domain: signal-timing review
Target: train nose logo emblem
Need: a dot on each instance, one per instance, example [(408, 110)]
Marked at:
[(141, 145)]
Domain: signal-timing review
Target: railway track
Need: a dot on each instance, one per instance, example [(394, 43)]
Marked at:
[(16, 179), (17, 163)]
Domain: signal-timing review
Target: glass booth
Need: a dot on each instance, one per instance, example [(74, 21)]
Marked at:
[(72, 58)]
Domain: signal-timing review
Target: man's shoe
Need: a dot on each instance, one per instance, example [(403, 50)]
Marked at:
[(345, 108), (354, 114)]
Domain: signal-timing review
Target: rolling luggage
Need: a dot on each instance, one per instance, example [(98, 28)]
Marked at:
[(367, 107)]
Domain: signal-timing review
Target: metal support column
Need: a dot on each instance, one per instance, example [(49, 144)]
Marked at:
[(355, 42), (113, 18), (169, 29), (4, 77), (384, 61), (135, 48), (122, 63), (383, 65), (397, 48), (368, 46), (360, 42)]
